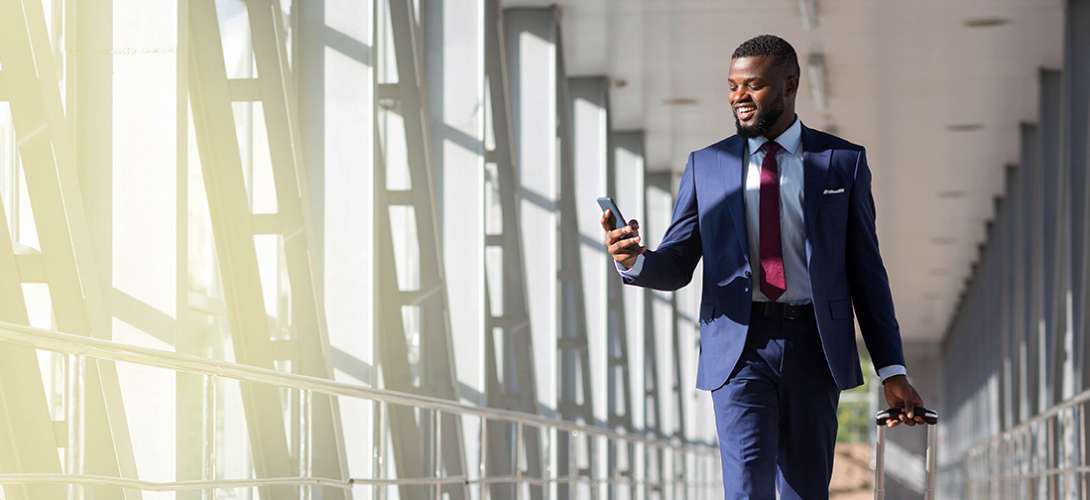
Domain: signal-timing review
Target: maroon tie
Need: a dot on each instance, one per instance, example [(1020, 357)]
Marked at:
[(773, 282)]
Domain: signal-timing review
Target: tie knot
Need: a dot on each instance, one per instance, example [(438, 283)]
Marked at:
[(770, 147)]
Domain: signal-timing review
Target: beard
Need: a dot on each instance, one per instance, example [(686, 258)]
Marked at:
[(764, 121)]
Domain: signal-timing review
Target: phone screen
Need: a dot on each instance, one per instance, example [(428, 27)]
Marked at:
[(607, 203)]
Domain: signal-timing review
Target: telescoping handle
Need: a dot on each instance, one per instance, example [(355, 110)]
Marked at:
[(929, 417), (883, 417)]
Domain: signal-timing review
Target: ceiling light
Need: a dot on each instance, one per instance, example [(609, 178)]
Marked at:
[(808, 12), (964, 127), (985, 22), (815, 71), (679, 101)]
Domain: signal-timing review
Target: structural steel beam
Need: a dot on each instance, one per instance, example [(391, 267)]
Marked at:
[(401, 123), (585, 126), (509, 359), (32, 85), (233, 230)]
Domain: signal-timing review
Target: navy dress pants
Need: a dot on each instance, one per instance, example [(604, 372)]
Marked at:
[(776, 414)]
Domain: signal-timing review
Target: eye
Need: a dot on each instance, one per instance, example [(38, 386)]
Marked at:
[(755, 86)]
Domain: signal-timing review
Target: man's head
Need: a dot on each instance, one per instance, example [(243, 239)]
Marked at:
[(764, 79)]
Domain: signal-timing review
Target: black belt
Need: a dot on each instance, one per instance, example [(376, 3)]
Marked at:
[(780, 310)]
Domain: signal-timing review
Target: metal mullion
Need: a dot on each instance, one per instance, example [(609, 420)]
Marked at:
[(235, 248), (56, 200), (309, 325), (518, 345), (23, 403), (433, 313)]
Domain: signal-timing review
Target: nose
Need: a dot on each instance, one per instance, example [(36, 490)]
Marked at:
[(738, 95)]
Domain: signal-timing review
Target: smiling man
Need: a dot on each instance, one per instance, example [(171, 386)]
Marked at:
[(784, 218)]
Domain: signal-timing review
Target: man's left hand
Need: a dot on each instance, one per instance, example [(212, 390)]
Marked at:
[(901, 394)]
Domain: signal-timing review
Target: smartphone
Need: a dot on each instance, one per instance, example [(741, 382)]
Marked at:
[(607, 203)]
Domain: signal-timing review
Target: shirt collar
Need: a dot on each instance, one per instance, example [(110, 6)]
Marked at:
[(789, 140)]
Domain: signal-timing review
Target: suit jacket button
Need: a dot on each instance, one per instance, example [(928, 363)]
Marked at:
[(748, 274)]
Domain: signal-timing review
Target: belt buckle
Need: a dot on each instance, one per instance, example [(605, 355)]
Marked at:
[(791, 311)]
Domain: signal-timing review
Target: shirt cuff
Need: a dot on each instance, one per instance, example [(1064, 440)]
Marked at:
[(634, 271), (891, 370)]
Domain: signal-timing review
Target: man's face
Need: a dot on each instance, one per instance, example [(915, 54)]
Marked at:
[(759, 93)]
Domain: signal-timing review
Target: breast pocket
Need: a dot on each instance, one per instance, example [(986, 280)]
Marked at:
[(834, 207)]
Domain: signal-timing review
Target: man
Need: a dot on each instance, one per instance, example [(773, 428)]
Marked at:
[(784, 219)]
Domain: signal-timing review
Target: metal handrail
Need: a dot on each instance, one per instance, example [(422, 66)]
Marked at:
[(1011, 456), (32, 478), (114, 351), (105, 350), (1053, 411)]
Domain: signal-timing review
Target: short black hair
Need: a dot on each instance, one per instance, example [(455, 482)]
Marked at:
[(769, 45)]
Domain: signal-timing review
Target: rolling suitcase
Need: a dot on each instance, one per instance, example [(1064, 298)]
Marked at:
[(930, 418)]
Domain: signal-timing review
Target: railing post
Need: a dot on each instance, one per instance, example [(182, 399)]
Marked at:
[(482, 468), (1053, 482), (1082, 451), (518, 455), (547, 467), (210, 433), (74, 409), (437, 465), (380, 450), (930, 473), (306, 437)]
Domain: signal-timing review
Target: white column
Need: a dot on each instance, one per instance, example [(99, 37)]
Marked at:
[(629, 195), (532, 71), (336, 111), (590, 119), (700, 421), (659, 207), (628, 188), (455, 82)]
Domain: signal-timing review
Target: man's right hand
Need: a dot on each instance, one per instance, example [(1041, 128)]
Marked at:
[(622, 244)]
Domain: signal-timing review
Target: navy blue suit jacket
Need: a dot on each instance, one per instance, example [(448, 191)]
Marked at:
[(841, 252)]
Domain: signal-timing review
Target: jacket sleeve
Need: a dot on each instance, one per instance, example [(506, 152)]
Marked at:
[(671, 265), (867, 276)]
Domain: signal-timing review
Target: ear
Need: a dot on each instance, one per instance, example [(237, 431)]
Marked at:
[(791, 86)]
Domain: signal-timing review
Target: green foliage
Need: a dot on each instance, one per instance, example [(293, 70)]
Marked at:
[(854, 417)]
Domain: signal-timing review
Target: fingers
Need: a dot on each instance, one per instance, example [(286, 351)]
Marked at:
[(626, 236), (917, 402), (614, 235), (624, 247), (907, 403), (607, 220)]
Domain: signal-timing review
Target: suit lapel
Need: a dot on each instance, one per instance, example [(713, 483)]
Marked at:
[(815, 165), (730, 163)]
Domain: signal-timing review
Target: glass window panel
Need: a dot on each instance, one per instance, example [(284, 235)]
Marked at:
[(238, 54)]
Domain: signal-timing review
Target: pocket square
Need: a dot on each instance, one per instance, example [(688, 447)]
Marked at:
[(833, 191)]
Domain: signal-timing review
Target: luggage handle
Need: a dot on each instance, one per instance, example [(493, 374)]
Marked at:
[(884, 416), (930, 418)]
